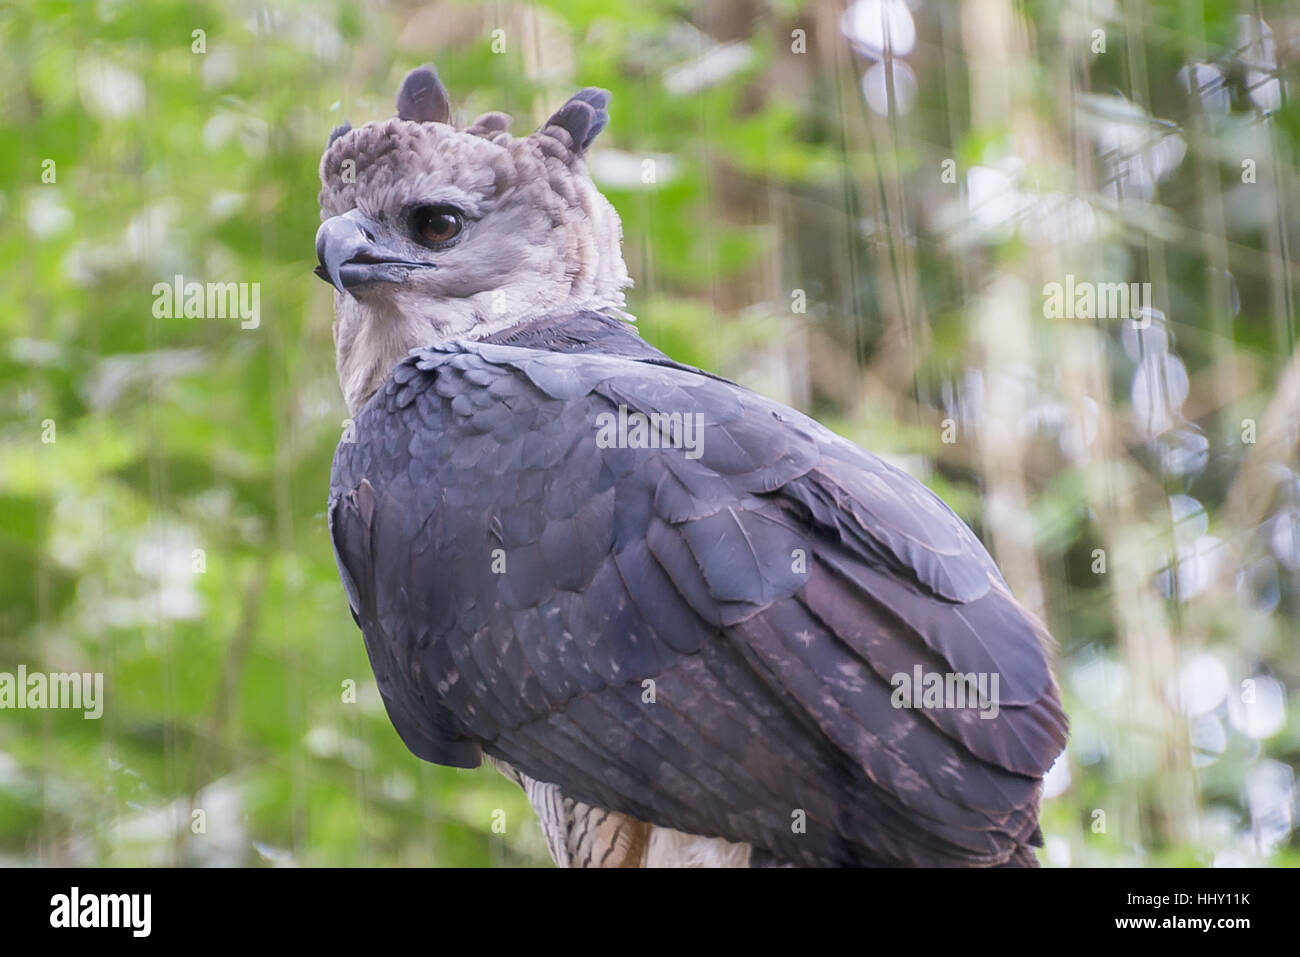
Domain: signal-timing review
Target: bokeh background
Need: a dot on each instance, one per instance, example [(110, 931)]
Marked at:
[(852, 207)]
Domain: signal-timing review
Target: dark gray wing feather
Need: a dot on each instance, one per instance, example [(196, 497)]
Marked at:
[(771, 676)]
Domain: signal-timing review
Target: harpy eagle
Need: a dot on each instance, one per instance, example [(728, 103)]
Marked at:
[(687, 649)]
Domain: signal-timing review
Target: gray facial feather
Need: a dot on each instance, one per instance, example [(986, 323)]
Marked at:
[(538, 239)]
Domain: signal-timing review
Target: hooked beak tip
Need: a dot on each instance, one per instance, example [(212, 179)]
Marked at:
[(349, 256), (333, 278)]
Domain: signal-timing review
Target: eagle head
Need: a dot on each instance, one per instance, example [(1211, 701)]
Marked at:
[(430, 232)]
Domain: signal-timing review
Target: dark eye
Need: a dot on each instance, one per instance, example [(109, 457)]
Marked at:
[(435, 225)]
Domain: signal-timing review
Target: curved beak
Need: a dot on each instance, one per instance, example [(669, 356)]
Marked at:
[(351, 256)]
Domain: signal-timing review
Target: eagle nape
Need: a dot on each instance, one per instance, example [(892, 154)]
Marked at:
[(694, 625)]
